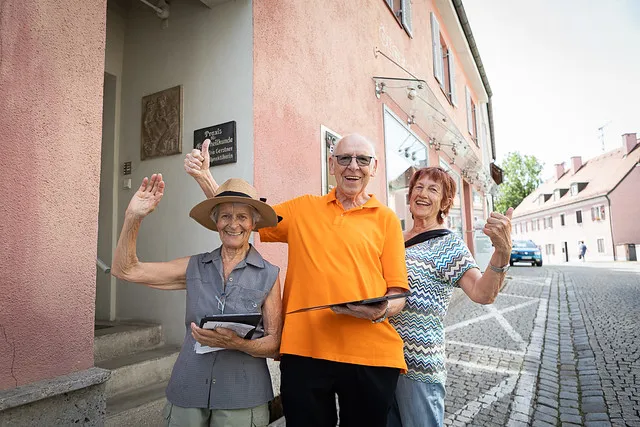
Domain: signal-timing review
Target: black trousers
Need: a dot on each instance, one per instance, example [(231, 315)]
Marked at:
[(308, 388)]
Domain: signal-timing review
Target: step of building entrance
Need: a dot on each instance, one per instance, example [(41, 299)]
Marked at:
[(140, 369), (141, 407), (113, 340)]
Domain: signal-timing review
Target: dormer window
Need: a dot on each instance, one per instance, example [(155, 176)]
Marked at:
[(543, 198), (574, 189), (577, 187), (559, 192)]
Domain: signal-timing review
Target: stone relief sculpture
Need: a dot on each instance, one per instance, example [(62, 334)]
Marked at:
[(162, 123)]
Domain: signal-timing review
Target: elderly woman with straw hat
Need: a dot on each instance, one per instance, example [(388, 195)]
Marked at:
[(230, 387)]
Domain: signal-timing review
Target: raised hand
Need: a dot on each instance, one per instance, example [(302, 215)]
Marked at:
[(498, 229), (147, 197), (196, 163)]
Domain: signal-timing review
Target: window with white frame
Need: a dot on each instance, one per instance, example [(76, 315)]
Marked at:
[(471, 116), (444, 64), (538, 224), (401, 10), (328, 140), (597, 213), (574, 189), (562, 224), (600, 246), (579, 217), (550, 249)]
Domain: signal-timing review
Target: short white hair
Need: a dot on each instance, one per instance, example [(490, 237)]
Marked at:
[(255, 215), (372, 148)]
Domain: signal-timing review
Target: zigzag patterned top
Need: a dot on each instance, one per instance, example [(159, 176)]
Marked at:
[(434, 268)]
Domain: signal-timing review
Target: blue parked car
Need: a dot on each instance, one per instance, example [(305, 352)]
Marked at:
[(525, 251)]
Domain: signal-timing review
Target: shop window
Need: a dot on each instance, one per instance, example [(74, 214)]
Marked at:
[(404, 153), (401, 10)]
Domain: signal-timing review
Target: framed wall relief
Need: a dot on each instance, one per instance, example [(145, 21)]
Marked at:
[(162, 124)]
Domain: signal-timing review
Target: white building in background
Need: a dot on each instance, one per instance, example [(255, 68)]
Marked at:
[(597, 202)]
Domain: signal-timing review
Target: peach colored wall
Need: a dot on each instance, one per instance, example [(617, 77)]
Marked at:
[(51, 77), (467, 208), (313, 65), (625, 209)]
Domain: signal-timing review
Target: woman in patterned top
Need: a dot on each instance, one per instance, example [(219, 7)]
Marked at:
[(437, 261)]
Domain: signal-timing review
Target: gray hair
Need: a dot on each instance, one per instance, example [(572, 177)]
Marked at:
[(255, 215)]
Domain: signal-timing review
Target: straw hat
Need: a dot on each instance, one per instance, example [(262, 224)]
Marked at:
[(234, 190)]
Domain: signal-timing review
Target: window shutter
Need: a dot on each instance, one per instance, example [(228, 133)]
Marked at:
[(452, 80), (406, 17), (469, 112), (438, 63)]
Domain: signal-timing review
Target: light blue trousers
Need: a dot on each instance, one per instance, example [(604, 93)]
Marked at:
[(417, 404)]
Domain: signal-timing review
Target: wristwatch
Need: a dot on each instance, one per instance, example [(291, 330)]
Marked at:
[(499, 269), (384, 316)]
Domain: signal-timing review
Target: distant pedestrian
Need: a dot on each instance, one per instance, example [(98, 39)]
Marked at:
[(582, 248)]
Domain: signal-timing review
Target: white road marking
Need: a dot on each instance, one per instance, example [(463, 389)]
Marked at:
[(527, 381), (482, 367), (487, 399), (486, 347), (488, 316)]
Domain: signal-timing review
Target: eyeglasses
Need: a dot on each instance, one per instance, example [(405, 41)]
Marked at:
[(345, 160)]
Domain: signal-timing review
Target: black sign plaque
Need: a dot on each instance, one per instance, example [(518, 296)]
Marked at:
[(223, 148)]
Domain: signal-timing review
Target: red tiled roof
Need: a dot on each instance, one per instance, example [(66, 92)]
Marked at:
[(601, 174)]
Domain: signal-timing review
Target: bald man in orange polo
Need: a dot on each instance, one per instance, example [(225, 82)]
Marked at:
[(343, 246)]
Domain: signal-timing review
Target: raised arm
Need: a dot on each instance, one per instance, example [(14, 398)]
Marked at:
[(483, 288), (196, 164), (267, 346), (126, 265)]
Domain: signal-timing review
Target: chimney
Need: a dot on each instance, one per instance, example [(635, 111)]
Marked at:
[(629, 141), (559, 170), (576, 163)]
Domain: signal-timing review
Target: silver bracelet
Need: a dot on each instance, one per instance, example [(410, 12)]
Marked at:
[(384, 316)]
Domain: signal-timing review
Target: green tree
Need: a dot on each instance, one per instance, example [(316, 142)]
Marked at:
[(521, 177)]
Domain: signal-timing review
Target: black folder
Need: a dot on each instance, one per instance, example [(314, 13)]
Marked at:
[(251, 319), (357, 302)]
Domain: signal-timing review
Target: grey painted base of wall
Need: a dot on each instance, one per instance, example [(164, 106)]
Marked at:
[(75, 399)]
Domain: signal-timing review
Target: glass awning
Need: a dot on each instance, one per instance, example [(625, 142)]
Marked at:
[(426, 112)]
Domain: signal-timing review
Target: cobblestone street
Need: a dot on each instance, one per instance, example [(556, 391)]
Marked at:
[(560, 346)]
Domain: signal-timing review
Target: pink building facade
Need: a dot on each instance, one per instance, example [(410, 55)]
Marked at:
[(293, 76)]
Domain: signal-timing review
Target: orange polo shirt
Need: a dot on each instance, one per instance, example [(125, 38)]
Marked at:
[(337, 256)]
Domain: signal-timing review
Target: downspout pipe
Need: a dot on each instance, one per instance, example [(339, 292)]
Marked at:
[(466, 28)]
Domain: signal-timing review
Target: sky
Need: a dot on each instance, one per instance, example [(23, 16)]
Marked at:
[(559, 70)]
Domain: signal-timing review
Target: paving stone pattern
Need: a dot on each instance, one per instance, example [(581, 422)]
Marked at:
[(559, 347)]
